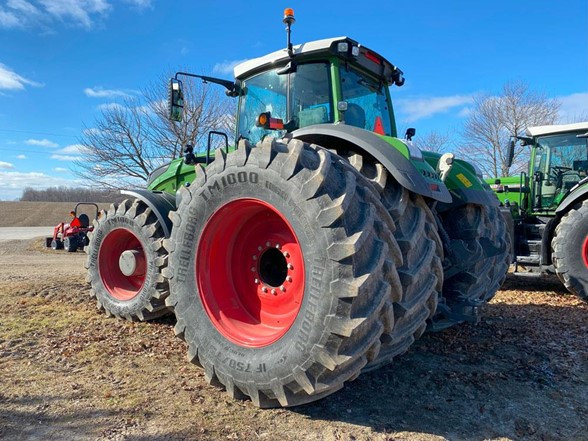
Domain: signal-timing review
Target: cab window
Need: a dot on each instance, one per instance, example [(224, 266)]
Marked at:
[(367, 106)]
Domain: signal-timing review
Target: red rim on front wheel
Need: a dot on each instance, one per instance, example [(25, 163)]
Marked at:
[(122, 264), (250, 272)]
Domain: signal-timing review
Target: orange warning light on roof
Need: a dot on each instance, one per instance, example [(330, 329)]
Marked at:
[(289, 15)]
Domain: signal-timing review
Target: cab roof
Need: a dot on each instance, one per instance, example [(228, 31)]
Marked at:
[(281, 57), (556, 128)]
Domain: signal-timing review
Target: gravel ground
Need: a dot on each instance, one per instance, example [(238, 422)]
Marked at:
[(68, 372)]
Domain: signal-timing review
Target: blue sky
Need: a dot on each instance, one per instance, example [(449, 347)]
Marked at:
[(61, 60)]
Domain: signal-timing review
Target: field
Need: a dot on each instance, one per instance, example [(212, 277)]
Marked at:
[(69, 372), (39, 214)]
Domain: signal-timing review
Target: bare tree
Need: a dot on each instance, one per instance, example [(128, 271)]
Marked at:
[(434, 141), (131, 138), (494, 119)]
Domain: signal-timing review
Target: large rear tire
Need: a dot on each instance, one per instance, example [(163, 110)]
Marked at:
[(477, 257), (570, 250), (125, 260), (417, 289), (276, 272)]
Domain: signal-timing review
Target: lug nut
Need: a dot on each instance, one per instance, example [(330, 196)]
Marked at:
[(268, 244), (259, 248), (278, 246), (254, 257), (274, 292), (283, 288), (252, 269), (256, 281), (286, 254), (289, 279), (290, 266), (264, 289)]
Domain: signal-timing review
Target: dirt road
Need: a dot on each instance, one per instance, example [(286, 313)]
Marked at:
[(68, 372), (23, 233)]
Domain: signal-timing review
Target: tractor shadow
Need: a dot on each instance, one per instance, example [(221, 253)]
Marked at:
[(520, 374)]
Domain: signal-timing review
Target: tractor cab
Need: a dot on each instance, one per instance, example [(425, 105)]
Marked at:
[(332, 81), (559, 163)]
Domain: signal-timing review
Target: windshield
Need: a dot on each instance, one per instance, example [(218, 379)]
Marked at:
[(367, 106), (306, 102), (565, 152)]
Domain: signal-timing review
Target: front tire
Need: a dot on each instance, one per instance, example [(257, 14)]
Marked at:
[(276, 273), (570, 250), (125, 260)]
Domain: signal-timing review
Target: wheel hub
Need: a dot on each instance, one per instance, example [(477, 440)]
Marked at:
[(132, 263)]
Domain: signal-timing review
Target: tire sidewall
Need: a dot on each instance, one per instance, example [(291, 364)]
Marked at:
[(572, 248), (295, 347), (143, 297)]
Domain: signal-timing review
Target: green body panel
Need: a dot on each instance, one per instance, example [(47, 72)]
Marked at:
[(463, 182), (176, 175), (509, 189)]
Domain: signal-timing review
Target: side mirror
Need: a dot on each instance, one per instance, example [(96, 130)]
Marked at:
[(510, 153), (410, 132), (175, 96)]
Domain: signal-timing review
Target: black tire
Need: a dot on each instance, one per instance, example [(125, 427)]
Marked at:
[(70, 243), (417, 285), (130, 228), (337, 329), (56, 244), (570, 250), (477, 257)]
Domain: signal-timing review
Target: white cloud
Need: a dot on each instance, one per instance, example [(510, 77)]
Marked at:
[(41, 143), (60, 169), (72, 149), (66, 158), (574, 107), (21, 157), (100, 92), (13, 183), (413, 109), (78, 12), (44, 14), (10, 80), (6, 165), (226, 67)]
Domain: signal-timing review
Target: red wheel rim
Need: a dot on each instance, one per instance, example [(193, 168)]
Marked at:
[(119, 285), (585, 251), (250, 272)]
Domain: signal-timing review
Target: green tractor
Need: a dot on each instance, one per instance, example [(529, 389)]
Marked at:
[(547, 207), (318, 247)]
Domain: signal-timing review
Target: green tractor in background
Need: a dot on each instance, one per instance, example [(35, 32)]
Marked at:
[(318, 247), (547, 207)]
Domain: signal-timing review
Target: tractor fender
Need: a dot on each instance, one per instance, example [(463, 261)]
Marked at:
[(402, 169), (577, 195), (161, 203)]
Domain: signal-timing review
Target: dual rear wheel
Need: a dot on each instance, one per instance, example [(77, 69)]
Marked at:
[(287, 277)]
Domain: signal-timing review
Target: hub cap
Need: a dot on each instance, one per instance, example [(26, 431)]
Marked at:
[(122, 264), (250, 272)]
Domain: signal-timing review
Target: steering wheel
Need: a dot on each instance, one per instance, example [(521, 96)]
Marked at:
[(557, 171)]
